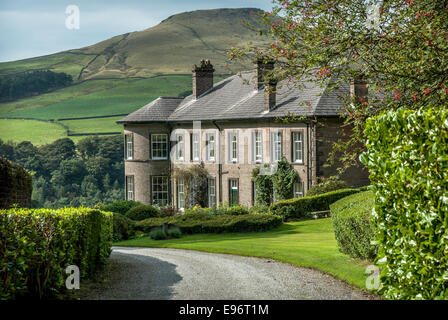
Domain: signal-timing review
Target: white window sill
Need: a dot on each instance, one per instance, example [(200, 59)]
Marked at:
[(159, 159)]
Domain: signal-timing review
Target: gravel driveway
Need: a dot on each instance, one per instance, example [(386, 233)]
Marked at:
[(157, 273)]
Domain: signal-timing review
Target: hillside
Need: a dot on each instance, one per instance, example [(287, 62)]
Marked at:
[(123, 73), (171, 47)]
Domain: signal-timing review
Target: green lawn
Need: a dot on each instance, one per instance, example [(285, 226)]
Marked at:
[(309, 243)]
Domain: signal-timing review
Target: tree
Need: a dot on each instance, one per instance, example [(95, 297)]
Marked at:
[(398, 46), (283, 180)]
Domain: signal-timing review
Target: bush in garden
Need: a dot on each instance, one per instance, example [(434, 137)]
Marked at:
[(123, 227), (327, 185), (407, 159), (38, 244), (353, 225), (209, 223), (142, 212), (167, 211), (161, 233), (299, 208), (121, 207)]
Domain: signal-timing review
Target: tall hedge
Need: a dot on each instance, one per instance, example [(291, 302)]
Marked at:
[(408, 162), (37, 245), (353, 225), (297, 208), (15, 185)]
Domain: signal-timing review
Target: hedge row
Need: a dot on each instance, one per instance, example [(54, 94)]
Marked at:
[(15, 186), (208, 223), (38, 244), (298, 208), (353, 225), (234, 210), (407, 159)]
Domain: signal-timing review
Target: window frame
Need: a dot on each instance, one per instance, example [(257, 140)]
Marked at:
[(254, 146), (300, 193), (180, 147), (237, 180), (231, 148), (192, 144), (153, 192), (126, 136), (293, 147), (208, 146), (274, 150), (153, 149), (180, 182), (127, 188), (209, 194)]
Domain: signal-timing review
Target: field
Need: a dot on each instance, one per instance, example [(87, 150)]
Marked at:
[(38, 132), (94, 125), (309, 243)]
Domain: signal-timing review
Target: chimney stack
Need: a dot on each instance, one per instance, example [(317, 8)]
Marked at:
[(262, 67), (359, 89), (202, 78), (270, 91)]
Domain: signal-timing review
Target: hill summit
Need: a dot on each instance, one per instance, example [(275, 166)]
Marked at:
[(170, 47)]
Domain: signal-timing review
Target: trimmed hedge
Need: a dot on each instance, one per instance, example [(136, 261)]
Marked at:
[(15, 185), (121, 207), (407, 159), (123, 227), (234, 210), (298, 208), (209, 223), (142, 212), (38, 244), (353, 225)]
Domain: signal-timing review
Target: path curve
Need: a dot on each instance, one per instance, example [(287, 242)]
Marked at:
[(172, 274)]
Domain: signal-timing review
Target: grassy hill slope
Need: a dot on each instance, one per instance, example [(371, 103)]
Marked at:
[(171, 47), (123, 73)]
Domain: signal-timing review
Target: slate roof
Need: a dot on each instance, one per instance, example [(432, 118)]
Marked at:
[(235, 98)]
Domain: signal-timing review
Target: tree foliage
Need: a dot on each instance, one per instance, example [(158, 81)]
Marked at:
[(26, 84), (398, 46), (67, 174)]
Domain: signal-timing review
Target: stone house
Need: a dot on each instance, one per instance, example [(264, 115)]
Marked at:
[(232, 127)]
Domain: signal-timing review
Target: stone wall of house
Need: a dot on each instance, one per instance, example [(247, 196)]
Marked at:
[(15, 185), (329, 131), (315, 154)]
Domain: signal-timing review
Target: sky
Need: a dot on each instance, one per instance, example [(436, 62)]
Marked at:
[(31, 28)]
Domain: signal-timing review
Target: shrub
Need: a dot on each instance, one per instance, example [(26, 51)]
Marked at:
[(159, 233), (167, 211), (327, 185), (121, 207), (353, 224), (259, 209), (37, 246), (123, 227), (209, 223), (407, 159), (15, 186), (298, 208), (142, 212)]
